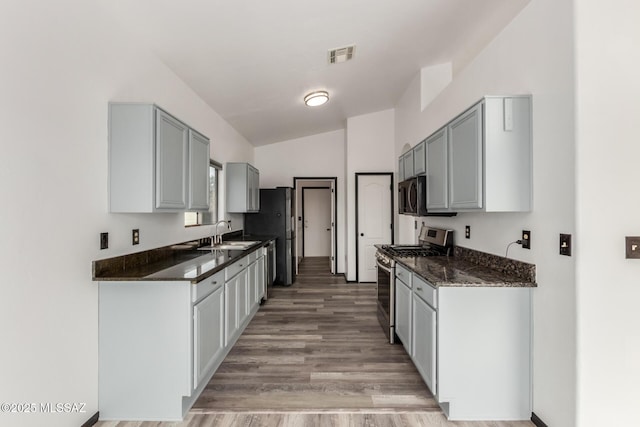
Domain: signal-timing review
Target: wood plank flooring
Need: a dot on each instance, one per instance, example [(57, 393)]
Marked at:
[(315, 355)]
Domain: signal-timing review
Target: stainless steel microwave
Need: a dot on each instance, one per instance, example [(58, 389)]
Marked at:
[(412, 198)]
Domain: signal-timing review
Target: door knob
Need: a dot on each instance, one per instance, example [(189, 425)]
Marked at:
[(328, 229), (362, 234)]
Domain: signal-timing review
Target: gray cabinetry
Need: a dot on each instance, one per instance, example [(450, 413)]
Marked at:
[(437, 171), (424, 339), (419, 159), (400, 169), (152, 167), (208, 334), (408, 164), (198, 196), (171, 162), (403, 314), (243, 188), (465, 160), (479, 161)]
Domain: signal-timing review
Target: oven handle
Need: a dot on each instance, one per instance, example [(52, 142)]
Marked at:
[(384, 267)]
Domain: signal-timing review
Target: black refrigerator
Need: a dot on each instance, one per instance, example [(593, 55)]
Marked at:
[(276, 219)]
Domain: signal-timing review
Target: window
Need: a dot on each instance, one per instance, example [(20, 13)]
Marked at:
[(211, 216)]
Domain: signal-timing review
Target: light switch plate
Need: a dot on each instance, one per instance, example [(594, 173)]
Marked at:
[(565, 244), (632, 247), (104, 240), (467, 231), (135, 236)]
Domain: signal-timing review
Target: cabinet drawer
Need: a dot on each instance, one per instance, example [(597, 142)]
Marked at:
[(207, 286), (403, 274), (425, 291), (236, 268), (252, 257)]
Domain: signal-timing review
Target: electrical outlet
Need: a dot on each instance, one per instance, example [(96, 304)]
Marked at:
[(632, 247), (104, 240), (135, 236), (526, 239), (467, 231), (565, 244)]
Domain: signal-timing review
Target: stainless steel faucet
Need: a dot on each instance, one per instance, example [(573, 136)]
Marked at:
[(216, 239)]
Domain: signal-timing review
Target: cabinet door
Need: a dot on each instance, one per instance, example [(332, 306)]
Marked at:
[(171, 162), (253, 285), (408, 165), (256, 188), (243, 296), (231, 319), (424, 342), (401, 169), (198, 172), (403, 314), (208, 334), (261, 279), (465, 160), (419, 159), (437, 171)]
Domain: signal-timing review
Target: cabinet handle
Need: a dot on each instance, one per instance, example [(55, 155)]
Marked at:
[(241, 265), (419, 288), (215, 283)]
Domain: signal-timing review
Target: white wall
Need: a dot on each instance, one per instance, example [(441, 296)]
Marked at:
[(607, 90), (533, 54), (321, 155), (62, 62), (369, 148)]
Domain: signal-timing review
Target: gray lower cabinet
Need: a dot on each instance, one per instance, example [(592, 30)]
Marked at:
[(161, 342), (471, 345), (155, 161), (243, 188), (403, 314), (424, 341), (208, 334)]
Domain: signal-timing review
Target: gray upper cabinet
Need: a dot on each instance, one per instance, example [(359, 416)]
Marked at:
[(198, 167), (437, 171), (171, 162), (419, 159), (465, 160), (243, 188), (400, 169), (155, 161), (408, 164), (481, 160)]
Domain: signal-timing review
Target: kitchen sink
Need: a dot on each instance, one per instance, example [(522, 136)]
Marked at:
[(230, 245)]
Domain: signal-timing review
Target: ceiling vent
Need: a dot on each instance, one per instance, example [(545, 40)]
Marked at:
[(341, 54)]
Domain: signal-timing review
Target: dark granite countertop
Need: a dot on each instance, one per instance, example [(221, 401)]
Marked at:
[(470, 268), (181, 262)]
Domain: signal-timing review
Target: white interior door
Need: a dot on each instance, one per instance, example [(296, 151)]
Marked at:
[(317, 222), (374, 221), (333, 227)]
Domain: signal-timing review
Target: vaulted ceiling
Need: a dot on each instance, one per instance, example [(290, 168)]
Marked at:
[(253, 61)]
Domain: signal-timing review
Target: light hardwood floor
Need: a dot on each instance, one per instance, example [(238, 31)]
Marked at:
[(315, 355)]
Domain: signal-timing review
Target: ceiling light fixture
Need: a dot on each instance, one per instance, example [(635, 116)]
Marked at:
[(316, 98)]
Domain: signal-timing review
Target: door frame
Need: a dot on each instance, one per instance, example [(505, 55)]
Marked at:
[(393, 219), (311, 188), (334, 220)]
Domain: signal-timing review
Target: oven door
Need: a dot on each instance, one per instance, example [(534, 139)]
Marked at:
[(386, 299)]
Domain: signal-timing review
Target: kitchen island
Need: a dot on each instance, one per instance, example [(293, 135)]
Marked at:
[(167, 319)]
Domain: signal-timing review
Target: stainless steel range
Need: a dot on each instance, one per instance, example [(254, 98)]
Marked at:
[(433, 242)]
